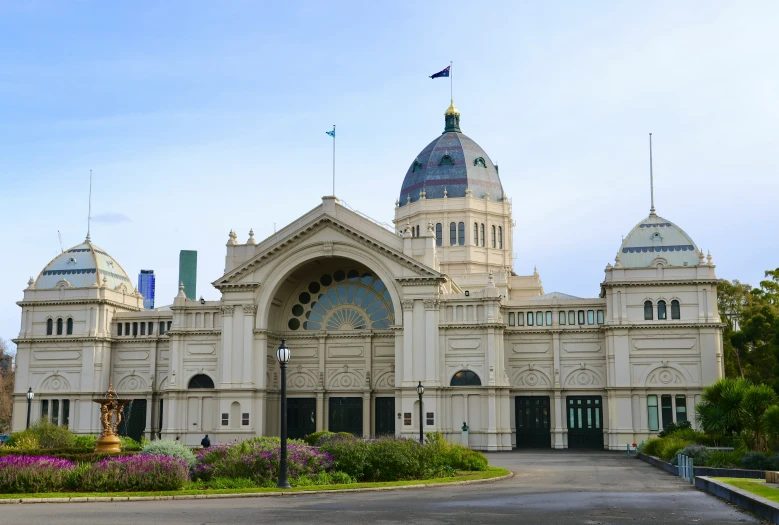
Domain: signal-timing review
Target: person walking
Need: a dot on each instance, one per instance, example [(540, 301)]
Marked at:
[(205, 442)]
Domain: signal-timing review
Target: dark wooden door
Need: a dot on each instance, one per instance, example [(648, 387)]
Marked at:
[(345, 415), (133, 419), (385, 416), (532, 419), (585, 422), (301, 417)]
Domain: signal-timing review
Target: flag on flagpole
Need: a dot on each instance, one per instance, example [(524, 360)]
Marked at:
[(442, 73), (331, 133)]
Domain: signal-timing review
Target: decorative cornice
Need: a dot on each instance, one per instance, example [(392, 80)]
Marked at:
[(421, 281), (186, 331), (64, 302), (307, 231), (612, 284), (663, 325), (241, 287), (62, 339), (471, 326)]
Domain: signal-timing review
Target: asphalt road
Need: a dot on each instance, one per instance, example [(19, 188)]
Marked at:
[(555, 487)]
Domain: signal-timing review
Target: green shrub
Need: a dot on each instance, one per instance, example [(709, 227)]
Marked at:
[(460, 457), (315, 438), (42, 434), (698, 453), (344, 435), (754, 461), (71, 454), (128, 444), (21, 474), (323, 478), (84, 442), (724, 459), (652, 447), (349, 456), (222, 483), (170, 449), (670, 446), (672, 428), (135, 473)]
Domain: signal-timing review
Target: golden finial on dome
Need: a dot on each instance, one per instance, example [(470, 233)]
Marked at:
[(452, 110)]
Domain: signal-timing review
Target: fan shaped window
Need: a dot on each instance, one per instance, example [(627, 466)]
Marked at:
[(201, 381), (465, 378), (416, 166), (648, 311), (675, 310), (446, 160), (346, 300), (479, 162)]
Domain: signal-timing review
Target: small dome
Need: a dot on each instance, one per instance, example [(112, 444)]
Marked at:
[(84, 266), (657, 240), (452, 162)]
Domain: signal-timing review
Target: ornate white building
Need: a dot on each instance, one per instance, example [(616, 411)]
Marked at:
[(368, 313)]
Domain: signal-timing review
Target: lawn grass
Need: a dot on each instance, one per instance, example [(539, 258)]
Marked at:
[(755, 486), (491, 472)]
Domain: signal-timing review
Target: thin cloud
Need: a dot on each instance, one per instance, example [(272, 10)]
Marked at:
[(111, 218)]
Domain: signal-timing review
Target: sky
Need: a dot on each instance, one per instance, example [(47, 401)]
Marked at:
[(201, 117)]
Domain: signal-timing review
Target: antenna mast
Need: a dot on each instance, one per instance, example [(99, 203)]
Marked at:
[(651, 179), (62, 248)]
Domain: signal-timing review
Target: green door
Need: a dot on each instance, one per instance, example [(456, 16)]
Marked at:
[(301, 417), (346, 415), (385, 416), (532, 419), (133, 419), (585, 422)]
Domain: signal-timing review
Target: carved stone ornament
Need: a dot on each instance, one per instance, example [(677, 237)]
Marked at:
[(249, 309), (407, 305), (431, 304), (228, 309), (327, 247)]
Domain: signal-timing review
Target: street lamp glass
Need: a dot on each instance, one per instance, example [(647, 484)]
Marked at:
[(420, 389), (282, 354), (30, 394)]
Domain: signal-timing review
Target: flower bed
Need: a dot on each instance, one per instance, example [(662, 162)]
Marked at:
[(20, 474)]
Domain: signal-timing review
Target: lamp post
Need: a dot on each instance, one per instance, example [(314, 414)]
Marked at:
[(282, 354), (30, 396), (420, 391)]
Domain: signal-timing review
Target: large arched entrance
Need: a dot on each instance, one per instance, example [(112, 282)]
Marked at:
[(337, 315)]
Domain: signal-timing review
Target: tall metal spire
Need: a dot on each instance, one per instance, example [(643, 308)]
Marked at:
[(89, 215), (651, 180)]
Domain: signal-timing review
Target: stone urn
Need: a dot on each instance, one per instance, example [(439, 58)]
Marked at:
[(110, 416)]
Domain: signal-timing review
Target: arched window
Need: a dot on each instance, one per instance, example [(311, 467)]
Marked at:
[(648, 311), (59, 326), (201, 381), (479, 162), (465, 378), (461, 233), (500, 237), (481, 234), (675, 310), (446, 160), (661, 313), (49, 327), (476, 233), (493, 237), (452, 233), (439, 236), (69, 326)]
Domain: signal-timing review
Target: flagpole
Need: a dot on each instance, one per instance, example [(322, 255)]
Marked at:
[(333, 160), (451, 80)]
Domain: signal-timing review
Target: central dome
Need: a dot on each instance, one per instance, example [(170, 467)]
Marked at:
[(83, 266), (450, 165)]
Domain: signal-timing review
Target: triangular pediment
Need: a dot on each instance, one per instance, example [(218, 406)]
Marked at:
[(351, 227)]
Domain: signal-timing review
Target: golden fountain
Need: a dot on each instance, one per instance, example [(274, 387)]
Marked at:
[(110, 416)]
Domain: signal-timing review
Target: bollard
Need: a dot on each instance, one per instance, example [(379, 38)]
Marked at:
[(692, 472), (628, 447)]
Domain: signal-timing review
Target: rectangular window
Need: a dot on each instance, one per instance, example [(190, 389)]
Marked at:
[(681, 408), (461, 233), (571, 317), (581, 316), (169, 323), (562, 317), (600, 316), (119, 329), (55, 411), (530, 318), (667, 409), (590, 317), (407, 418), (651, 403), (65, 412), (225, 419), (430, 419), (126, 328), (511, 318), (540, 318), (439, 236), (452, 234), (548, 318), (245, 418), (162, 327), (143, 328), (476, 233), (520, 319), (151, 328), (481, 234), (135, 329), (45, 408)]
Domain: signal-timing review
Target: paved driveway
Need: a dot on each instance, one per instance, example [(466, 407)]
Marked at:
[(554, 487)]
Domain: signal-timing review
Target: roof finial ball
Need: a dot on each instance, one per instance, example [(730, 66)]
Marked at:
[(181, 291)]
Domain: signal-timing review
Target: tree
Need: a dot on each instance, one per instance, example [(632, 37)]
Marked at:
[(6, 385)]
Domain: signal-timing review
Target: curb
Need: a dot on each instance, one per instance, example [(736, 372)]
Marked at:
[(118, 499), (753, 503)]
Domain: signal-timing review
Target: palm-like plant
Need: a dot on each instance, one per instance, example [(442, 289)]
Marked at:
[(758, 399), (720, 412)]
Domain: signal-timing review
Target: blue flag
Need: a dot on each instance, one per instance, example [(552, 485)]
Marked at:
[(331, 133), (442, 73)]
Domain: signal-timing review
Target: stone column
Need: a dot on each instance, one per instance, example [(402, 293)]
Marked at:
[(225, 362), (366, 414), (249, 310), (431, 342), (320, 410), (558, 405), (408, 343)]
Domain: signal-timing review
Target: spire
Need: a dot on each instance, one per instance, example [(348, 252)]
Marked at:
[(452, 119), (651, 181)]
